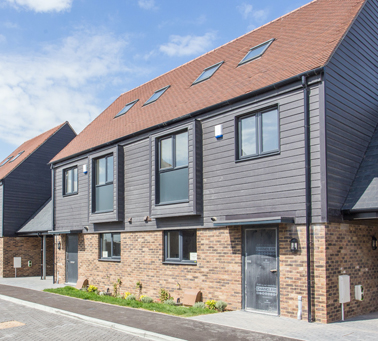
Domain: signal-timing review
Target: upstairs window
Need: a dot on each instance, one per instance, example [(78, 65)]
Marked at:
[(180, 246), (173, 171), (17, 156), (258, 134), (110, 246), (126, 108), (70, 181), (207, 73), (6, 160), (156, 95), (104, 184), (256, 52)]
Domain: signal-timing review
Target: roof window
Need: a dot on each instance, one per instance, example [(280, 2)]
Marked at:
[(256, 52), (207, 73), (126, 108), (17, 156), (6, 160), (156, 95)]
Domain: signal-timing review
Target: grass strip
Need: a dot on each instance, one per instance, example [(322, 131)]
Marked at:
[(158, 307)]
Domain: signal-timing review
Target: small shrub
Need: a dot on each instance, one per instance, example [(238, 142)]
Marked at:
[(146, 299), (164, 295), (199, 305), (130, 297), (169, 302), (92, 288), (220, 305), (210, 304), (126, 294)]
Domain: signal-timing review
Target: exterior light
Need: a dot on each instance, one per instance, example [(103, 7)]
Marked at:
[(294, 245), (59, 245), (213, 218), (374, 243)]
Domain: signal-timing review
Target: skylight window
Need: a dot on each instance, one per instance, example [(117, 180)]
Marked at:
[(17, 156), (126, 108), (256, 52), (6, 160), (156, 95), (207, 73)]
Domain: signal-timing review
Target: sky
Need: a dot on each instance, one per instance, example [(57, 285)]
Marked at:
[(68, 60)]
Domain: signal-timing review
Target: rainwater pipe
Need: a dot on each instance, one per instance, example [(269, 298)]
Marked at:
[(306, 96)]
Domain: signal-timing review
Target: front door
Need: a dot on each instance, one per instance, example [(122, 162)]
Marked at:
[(71, 258), (261, 276)]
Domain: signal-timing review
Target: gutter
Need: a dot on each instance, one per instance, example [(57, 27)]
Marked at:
[(246, 96), (306, 96)]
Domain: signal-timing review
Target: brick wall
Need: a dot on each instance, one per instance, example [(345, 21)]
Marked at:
[(217, 273), (1, 256), (28, 248)]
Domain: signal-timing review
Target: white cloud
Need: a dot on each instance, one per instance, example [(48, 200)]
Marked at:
[(42, 5), (147, 4), (253, 16), (188, 45), (61, 83), (10, 25), (245, 10), (3, 39)]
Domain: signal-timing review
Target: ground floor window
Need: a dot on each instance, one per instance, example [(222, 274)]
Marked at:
[(180, 246), (110, 246)]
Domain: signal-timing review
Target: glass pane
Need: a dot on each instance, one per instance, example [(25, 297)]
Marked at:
[(182, 149), (173, 244), (207, 73), (75, 179), (104, 198), (189, 245), (68, 187), (269, 126), (109, 162), (166, 153), (106, 245), (248, 136), (156, 95), (173, 185), (116, 245), (100, 171), (255, 52)]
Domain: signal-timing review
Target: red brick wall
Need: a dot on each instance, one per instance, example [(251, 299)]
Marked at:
[(28, 248), (1, 256), (217, 273)]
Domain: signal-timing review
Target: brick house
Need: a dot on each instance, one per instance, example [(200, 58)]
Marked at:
[(25, 203), (209, 175)]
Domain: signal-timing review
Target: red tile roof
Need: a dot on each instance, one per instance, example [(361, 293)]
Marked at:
[(27, 148), (304, 40)]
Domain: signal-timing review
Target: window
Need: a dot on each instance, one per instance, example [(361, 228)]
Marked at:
[(17, 156), (173, 169), (104, 184), (256, 52), (126, 108), (180, 246), (156, 95), (110, 246), (6, 160), (258, 134), (208, 72), (70, 181)]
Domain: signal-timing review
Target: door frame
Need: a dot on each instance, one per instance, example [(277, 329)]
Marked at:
[(66, 254), (243, 284)]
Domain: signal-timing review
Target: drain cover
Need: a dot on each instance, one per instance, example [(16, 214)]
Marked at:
[(10, 324)]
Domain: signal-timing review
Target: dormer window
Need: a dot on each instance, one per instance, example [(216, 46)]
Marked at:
[(6, 160), (14, 159), (256, 52), (126, 108), (207, 73), (156, 95)]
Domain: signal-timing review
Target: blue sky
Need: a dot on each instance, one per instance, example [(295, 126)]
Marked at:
[(68, 60)]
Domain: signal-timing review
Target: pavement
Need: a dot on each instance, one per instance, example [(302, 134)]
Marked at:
[(138, 323)]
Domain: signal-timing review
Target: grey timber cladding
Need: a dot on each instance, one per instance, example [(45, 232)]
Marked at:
[(1, 209), (351, 104), (41, 221), (29, 185)]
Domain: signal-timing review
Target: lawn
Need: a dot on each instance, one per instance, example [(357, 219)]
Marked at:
[(158, 307)]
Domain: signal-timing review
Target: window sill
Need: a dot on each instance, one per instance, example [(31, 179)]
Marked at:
[(180, 263), (100, 212), (109, 260), (172, 203), (70, 194), (257, 156)]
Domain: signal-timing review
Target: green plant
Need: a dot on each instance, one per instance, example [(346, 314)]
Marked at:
[(170, 302), (126, 294), (220, 305), (146, 299), (116, 287), (139, 285), (199, 305), (164, 295), (211, 304), (130, 297), (92, 288)]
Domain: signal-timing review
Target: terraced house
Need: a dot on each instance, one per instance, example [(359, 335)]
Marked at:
[(248, 173)]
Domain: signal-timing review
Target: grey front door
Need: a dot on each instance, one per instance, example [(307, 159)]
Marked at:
[(71, 258), (261, 272)]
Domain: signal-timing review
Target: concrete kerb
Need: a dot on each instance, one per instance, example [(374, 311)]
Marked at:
[(129, 330)]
